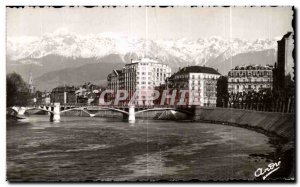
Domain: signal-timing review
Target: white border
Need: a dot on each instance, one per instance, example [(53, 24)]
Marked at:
[(4, 3)]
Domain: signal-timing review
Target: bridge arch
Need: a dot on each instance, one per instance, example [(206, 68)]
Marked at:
[(22, 110), (112, 109), (163, 109), (78, 108), (36, 108)]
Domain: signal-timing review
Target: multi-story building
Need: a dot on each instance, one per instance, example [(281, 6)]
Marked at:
[(140, 76), (63, 95), (114, 82), (199, 81), (250, 78), (114, 79), (285, 61)]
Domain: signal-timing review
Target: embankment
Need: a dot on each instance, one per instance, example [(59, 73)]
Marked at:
[(281, 124)]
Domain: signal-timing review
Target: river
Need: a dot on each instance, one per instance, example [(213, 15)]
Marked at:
[(90, 149)]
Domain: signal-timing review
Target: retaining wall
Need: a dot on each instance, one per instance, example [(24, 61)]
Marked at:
[(282, 124)]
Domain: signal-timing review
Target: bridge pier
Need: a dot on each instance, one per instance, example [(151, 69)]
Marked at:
[(131, 114), (55, 116), (21, 111)]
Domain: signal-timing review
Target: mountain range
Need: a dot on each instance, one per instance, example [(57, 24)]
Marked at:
[(63, 57)]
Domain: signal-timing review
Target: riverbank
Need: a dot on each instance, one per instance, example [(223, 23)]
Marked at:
[(280, 127), (281, 124)]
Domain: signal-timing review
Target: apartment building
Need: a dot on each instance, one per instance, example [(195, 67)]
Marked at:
[(250, 78)]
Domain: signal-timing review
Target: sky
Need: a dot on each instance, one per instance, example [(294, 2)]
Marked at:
[(154, 23)]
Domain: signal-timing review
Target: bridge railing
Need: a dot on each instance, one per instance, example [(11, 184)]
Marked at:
[(77, 105)]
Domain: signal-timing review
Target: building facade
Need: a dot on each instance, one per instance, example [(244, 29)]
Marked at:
[(140, 76), (197, 80), (285, 61), (250, 78), (63, 95)]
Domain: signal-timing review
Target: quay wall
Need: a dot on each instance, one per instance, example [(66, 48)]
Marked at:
[(281, 124)]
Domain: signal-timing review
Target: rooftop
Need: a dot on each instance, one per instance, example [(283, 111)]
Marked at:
[(119, 71), (144, 60), (253, 67), (287, 35), (197, 69), (63, 89)]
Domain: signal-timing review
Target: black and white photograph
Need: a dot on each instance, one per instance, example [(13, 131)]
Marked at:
[(150, 93)]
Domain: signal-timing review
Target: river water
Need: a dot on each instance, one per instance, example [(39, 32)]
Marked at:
[(84, 148)]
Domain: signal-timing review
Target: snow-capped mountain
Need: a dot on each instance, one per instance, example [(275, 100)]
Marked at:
[(70, 45), (63, 57)]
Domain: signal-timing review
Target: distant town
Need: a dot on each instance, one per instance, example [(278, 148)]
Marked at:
[(259, 87)]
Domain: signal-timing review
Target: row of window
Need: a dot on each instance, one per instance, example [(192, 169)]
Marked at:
[(249, 80), (250, 86), (143, 73), (205, 77), (195, 77), (252, 73)]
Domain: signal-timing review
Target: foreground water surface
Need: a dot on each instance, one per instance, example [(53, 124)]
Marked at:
[(83, 148)]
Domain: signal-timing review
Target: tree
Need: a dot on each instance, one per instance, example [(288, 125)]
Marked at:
[(17, 91), (222, 92)]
